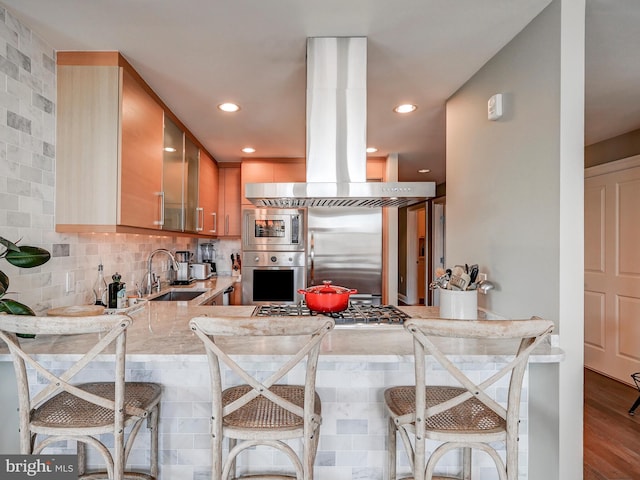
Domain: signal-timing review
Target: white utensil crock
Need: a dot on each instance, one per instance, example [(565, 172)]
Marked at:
[(461, 304)]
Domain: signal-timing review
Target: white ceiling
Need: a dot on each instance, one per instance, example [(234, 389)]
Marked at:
[(196, 54)]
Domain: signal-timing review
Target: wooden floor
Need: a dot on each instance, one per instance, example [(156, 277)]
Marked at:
[(611, 435)]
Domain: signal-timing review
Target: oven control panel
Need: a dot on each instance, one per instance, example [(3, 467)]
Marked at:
[(273, 259)]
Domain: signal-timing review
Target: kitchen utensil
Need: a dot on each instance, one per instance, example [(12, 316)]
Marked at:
[(459, 279), (327, 298), (473, 273)]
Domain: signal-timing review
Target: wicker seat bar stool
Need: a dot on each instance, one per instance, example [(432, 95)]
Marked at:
[(257, 411), (62, 411), (465, 415)]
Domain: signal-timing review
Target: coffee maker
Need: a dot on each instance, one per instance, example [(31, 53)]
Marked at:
[(208, 254), (183, 258)]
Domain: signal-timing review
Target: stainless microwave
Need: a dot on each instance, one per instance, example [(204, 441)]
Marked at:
[(273, 229)]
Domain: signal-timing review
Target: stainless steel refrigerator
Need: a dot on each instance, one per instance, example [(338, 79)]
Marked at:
[(344, 245)]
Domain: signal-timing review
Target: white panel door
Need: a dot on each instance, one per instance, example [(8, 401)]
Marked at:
[(612, 268)]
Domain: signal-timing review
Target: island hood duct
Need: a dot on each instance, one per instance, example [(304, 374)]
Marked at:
[(336, 138)]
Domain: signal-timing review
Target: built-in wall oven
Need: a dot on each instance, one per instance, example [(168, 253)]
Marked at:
[(272, 277), (273, 256)]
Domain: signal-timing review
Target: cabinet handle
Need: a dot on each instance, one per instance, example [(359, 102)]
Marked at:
[(215, 223), (161, 221), (226, 225), (199, 213)]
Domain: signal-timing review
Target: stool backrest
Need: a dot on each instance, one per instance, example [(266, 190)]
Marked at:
[(213, 330), (522, 335), (111, 330)]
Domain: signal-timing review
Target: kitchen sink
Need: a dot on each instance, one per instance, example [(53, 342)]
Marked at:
[(178, 295)]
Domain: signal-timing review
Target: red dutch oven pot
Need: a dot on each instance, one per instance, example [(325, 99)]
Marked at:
[(327, 298)]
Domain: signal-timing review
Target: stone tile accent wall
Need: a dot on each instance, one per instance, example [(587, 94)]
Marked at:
[(27, 186), (354, 427)]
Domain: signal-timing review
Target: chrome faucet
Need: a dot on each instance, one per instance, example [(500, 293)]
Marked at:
[(152, 280)]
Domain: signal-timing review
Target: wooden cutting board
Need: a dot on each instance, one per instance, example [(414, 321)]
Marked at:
[(76, 311)]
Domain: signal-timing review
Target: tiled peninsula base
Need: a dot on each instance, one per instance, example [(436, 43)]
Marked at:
[(353, 432)]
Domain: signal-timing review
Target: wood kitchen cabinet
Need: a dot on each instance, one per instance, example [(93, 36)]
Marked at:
[(229, 188), (140, 167), (111, 162), (109, 147), (207, 195), (257, 170), (376, 169)]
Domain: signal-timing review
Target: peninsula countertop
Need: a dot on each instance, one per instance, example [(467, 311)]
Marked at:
[(160, 331)]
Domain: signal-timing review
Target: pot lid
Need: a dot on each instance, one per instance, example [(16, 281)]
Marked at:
[(327, 288)]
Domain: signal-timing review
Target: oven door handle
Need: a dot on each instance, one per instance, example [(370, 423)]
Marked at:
[(312, 255)]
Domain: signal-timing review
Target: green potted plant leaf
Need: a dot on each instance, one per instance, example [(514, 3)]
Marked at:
[(21, 257)]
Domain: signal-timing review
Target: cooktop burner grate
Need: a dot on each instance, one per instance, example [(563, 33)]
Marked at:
[(355, 313)]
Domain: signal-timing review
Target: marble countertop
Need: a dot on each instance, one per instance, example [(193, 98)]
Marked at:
[(160, 332)]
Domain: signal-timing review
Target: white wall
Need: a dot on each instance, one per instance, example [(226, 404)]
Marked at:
[(514, 206)]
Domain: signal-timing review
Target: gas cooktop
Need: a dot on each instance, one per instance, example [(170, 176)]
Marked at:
[(355, 314)]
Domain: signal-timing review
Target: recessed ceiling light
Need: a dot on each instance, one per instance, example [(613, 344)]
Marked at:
[(249, 150), (228, 107), (405, 108), (169, 149), (424, 170), (372, 149)]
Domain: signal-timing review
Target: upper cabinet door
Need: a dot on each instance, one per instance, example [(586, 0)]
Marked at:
[(141, 172), (87, 147), (229, 188), (208, 195), (180, 184), (190, 195), (173, 175)]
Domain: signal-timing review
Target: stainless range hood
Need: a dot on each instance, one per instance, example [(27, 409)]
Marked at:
[(336, 138)]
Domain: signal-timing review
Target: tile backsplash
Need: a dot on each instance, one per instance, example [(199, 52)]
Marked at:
[(27, 188)]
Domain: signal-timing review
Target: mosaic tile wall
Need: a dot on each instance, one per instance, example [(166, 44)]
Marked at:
[(353, 433)]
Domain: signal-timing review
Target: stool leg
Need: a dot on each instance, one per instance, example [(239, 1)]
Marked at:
[(152, 425), (632, 410), (232, 443), (391, 450), (466, 463), (82, 459)]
